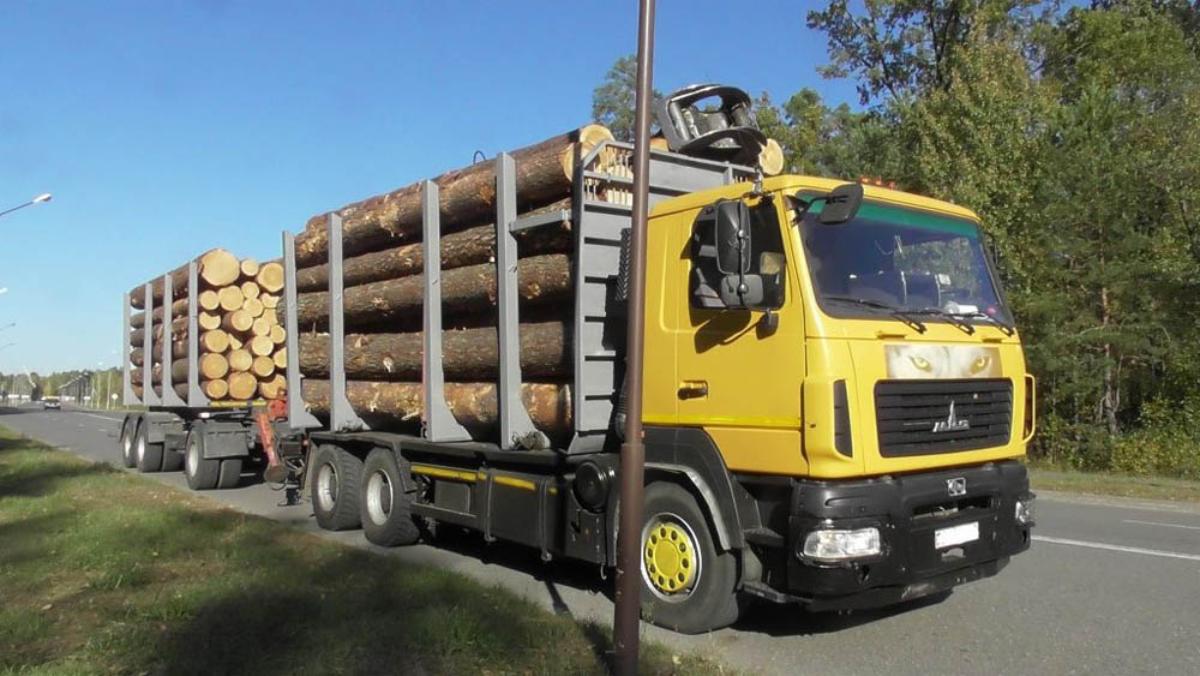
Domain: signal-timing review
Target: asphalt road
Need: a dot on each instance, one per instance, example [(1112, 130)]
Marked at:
[(1110, 586)]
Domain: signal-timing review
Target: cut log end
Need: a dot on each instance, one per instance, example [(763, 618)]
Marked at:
[(219, 268)]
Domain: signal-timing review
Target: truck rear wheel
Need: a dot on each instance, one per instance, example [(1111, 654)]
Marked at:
[(386, 510), (202, 475), (128, 431), (336, 474), (149, 456), (172, 460), (687, 584)]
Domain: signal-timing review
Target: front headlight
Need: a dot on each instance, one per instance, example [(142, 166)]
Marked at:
[(834, 546), (1024, 511)]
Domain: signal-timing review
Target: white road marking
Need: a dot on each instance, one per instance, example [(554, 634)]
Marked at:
[(1159, 523), (1117, 548), (96, 415)]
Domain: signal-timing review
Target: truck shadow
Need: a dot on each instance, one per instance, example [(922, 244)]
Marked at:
[(789, 620)]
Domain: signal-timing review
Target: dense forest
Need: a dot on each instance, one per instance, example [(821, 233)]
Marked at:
[(1075, 134)]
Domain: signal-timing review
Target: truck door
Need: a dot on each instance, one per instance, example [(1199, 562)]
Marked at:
[(739, 372)]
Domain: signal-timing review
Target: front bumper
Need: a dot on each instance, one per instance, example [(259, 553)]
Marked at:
[(908, 510)]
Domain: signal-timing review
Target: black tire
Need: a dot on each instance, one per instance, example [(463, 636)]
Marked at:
[(230, 473), (149, 456), (128, 431), (704, 596), (336, 477), (202, 475), (172, 460), (385, 509)]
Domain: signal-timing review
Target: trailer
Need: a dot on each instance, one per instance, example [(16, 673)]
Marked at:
[(178, 427)]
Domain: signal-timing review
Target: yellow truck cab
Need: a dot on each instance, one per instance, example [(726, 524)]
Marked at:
[(847, 354)]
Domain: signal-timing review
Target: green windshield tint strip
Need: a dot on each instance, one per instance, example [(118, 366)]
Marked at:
[(909, 218)]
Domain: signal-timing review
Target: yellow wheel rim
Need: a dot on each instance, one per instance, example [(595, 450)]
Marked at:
[(670, 558)]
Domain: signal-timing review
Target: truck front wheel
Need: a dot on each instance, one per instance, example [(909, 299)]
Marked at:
[(688, 585), (336, 474), (386, 509)]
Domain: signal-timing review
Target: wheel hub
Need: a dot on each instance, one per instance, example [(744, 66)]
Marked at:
[(669, 557)]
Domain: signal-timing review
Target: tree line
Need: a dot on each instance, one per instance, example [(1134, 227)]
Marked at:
[(1075, 134)]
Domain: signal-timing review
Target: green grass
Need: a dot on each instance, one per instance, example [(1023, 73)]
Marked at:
[(1113, 483), (106, 572)]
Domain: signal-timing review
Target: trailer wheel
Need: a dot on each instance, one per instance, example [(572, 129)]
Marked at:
[(202, 475), (386, 510), (128, 431), (336, 474), (230, 473), (149, 456), (687, 584)]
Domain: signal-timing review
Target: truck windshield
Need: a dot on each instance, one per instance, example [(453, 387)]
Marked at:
[(890, 259)]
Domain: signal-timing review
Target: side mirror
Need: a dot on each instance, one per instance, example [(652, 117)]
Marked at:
[(841, 204), (732, 233)]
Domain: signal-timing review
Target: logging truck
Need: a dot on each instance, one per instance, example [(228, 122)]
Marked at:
[(835, 400), (836, 405)]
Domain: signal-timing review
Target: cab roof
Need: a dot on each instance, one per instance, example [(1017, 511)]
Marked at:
[(795, 183)]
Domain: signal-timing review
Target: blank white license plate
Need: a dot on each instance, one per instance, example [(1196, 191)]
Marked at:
[(955, 535)]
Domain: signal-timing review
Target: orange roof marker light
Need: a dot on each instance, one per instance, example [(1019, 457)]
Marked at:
[(867, 180)]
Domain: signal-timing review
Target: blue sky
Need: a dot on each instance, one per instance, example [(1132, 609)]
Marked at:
[(166, 128)]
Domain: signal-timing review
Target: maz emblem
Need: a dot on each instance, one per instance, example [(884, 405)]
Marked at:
[(956, 487), (952, 423)]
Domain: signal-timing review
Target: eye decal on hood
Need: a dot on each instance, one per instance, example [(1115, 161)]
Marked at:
[(929, 361)]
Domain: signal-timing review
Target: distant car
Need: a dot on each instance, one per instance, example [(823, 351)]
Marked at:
[(51, 403)]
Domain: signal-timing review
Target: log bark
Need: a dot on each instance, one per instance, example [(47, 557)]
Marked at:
[(178, 351), (459, 249), (179, 308), (467, 355), (473, 288), (467, 197), (179, 371), (179, 283), (137, 337), (398, 405)]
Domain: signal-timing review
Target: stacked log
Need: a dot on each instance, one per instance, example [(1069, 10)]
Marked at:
[(240, 340), (383, 266)]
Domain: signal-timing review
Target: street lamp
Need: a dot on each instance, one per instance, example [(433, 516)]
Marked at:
[(44, 197)]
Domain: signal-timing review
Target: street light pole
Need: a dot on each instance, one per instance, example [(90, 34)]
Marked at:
[(44, 197), (633, 451)]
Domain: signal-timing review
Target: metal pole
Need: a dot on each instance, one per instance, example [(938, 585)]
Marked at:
[(633, 452)]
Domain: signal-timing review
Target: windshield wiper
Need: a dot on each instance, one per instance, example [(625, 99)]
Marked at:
[(954, 319), (899, 313), (1005, 328)]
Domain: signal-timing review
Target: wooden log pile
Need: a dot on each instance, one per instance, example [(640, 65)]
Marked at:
[(383, 266), (241, 353)]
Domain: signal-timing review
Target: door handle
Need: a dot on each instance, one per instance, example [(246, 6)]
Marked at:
[(693, 389)]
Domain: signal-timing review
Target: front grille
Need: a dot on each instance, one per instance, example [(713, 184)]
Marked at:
[(907, 412)]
